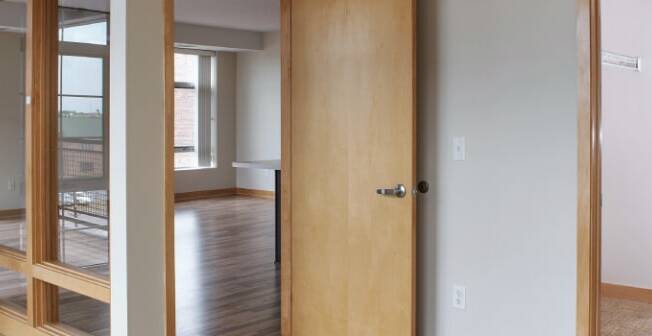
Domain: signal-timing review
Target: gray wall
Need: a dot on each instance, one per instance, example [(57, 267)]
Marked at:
[(503, 223), (626, 161), (259, 111), (12, 142), (222, 176)]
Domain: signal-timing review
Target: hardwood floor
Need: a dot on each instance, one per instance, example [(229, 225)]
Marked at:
[(227, 282)]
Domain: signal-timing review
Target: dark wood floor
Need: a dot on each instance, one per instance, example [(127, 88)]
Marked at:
[(227, 282)]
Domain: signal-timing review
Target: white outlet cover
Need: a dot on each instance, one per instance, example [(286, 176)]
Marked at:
[(459, 297)]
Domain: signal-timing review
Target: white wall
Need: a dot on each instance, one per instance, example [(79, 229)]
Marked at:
[(259, 111), (12, 145), (211, 38), (627, 136), (224, 175), (503, 222)]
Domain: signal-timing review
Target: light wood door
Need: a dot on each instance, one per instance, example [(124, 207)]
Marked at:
[(352, 131)]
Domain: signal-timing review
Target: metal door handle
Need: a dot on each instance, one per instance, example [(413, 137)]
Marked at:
[(400, 191)]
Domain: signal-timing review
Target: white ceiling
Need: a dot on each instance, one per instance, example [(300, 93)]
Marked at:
[(253, 15)]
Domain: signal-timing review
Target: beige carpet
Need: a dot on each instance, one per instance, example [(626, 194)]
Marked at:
[(625, 318)]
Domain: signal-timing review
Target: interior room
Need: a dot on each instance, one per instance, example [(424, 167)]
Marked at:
[(626, 169), (226, 161), (442, 170)]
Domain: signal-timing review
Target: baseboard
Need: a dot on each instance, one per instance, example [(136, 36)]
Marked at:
[(203, 194), (626, 293), (255, 193), (11, 213)]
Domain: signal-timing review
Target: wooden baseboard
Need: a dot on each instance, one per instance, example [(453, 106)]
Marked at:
[(11, 213), (626, 293), (203, 194), (255, 193), (208, 194)]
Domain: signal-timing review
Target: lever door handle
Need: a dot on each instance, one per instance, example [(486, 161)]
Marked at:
[(399, 191)]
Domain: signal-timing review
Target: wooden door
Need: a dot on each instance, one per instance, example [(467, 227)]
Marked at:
[(352, 131)]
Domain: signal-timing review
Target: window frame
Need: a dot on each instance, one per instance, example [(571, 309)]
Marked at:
[(206, 118), (76, 49)]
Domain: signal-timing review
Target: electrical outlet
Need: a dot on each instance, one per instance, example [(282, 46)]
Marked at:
[(459, 297)]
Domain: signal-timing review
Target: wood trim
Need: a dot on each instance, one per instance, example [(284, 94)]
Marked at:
[(40, 159), (208, 194), (78, 281), (255, 193), (203, 194), (169, 267), (12, 323), (13, 260), (415, 154), (286, 167), (11, 213), (58, 329), (626, 293), (589, 165)]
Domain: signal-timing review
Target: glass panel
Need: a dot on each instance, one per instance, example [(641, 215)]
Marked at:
[(12, 132), (75, 67), (83, 147), (13, 290), (83, 26), (185, 128), (84, 314), (186, 67), (81, 117), (185, 103)]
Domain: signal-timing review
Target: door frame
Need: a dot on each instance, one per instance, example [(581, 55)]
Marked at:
[(286, 167), (589, 190)]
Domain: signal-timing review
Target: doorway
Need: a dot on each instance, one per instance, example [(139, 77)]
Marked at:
[(227, 167), (613, 298)]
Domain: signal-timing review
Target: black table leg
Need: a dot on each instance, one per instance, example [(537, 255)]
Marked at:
[(277, 220)]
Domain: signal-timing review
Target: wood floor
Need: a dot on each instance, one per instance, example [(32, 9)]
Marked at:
[(227, 282), (625, 318)]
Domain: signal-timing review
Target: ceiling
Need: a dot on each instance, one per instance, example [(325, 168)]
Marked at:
[(253, 15)]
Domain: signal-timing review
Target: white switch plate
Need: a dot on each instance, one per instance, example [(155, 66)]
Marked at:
[(459, 297), (459, 148)]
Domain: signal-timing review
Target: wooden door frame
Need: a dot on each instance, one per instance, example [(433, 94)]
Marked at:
[(589, 168), (286, 167)]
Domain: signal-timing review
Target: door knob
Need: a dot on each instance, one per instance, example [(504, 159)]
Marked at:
[(399, 191)]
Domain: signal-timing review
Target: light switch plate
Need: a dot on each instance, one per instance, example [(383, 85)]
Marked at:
[(459, 148)]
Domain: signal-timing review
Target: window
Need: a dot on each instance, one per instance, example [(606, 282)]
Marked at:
[(83, 227), (194, 122)]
